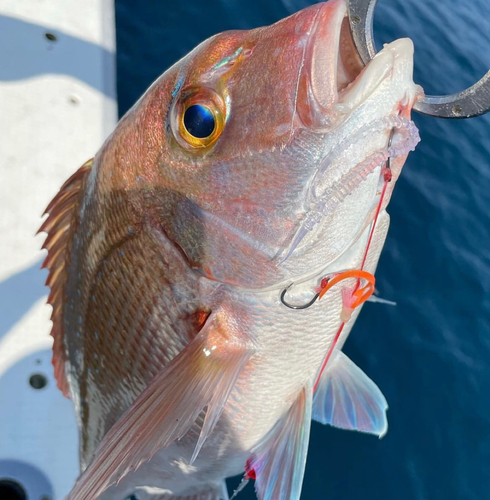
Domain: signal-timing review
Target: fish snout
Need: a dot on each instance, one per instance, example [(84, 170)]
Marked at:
[(334, 82)]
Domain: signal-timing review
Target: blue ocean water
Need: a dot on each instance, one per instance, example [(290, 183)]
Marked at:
[(430, 354)]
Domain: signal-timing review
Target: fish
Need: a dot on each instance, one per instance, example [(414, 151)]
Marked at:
[(208, 264)]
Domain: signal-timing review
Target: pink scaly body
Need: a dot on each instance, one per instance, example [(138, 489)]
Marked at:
[(168, 253)]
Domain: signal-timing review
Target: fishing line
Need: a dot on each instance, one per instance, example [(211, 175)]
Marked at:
[(387, 176)]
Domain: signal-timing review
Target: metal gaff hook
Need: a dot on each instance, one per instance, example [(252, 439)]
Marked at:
[(473, 101)]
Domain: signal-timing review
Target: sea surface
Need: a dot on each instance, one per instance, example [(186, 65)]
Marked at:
[(430, 355)]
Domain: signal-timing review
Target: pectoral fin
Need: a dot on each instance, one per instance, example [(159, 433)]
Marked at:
[(346, 397), (279, 461), (202, 375)]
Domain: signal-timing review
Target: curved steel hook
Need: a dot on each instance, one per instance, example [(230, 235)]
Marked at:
[(471, 102), (292, 306)]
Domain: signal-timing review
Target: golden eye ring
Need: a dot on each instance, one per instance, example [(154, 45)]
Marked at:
[(200, 117)]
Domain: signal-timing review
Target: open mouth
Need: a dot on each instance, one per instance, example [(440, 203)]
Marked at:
[(333, 80)]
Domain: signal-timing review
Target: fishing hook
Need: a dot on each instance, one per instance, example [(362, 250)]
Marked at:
[(473, 101), (359, 295), (293, 306)]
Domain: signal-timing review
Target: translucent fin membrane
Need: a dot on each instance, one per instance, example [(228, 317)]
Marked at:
[(347, 398), (405, 139), (279, 460)]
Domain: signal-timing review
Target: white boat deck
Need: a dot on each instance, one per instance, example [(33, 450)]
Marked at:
[(57, 105)]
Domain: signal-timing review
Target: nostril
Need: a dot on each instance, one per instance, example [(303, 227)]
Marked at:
[(11, 490)]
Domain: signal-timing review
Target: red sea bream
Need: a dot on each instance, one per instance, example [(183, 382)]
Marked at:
[(257, 167)]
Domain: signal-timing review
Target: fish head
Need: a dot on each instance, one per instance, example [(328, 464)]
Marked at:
[(231, 150)]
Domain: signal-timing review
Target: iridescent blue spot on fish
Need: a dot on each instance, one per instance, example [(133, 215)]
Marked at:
[(177, 86), (226, 60)]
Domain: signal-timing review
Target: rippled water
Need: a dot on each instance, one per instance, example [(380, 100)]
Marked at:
[(430, 355)]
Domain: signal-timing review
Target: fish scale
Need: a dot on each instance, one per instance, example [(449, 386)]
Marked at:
[(184, 364), (268, 385), (292, 358), (137, 359)]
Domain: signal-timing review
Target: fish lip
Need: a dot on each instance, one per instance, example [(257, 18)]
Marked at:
[(326, 32), (395, 56), (317, 81), (333, 79)]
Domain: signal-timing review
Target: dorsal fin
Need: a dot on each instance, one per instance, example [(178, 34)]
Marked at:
[(58, 223)]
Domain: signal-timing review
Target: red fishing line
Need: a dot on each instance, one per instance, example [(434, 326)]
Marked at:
[(367, 290)]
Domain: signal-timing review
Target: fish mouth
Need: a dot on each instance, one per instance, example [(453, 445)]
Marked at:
[(333, 80)]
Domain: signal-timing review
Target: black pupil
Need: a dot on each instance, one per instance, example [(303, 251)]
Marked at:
[(199, 121)]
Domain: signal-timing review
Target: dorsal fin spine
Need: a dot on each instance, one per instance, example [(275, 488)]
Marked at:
[(54, 275), (60, 201), (55, 240), (53, 296)]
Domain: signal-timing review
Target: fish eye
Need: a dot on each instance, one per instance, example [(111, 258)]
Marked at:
[(199, 117), (199, 121)]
